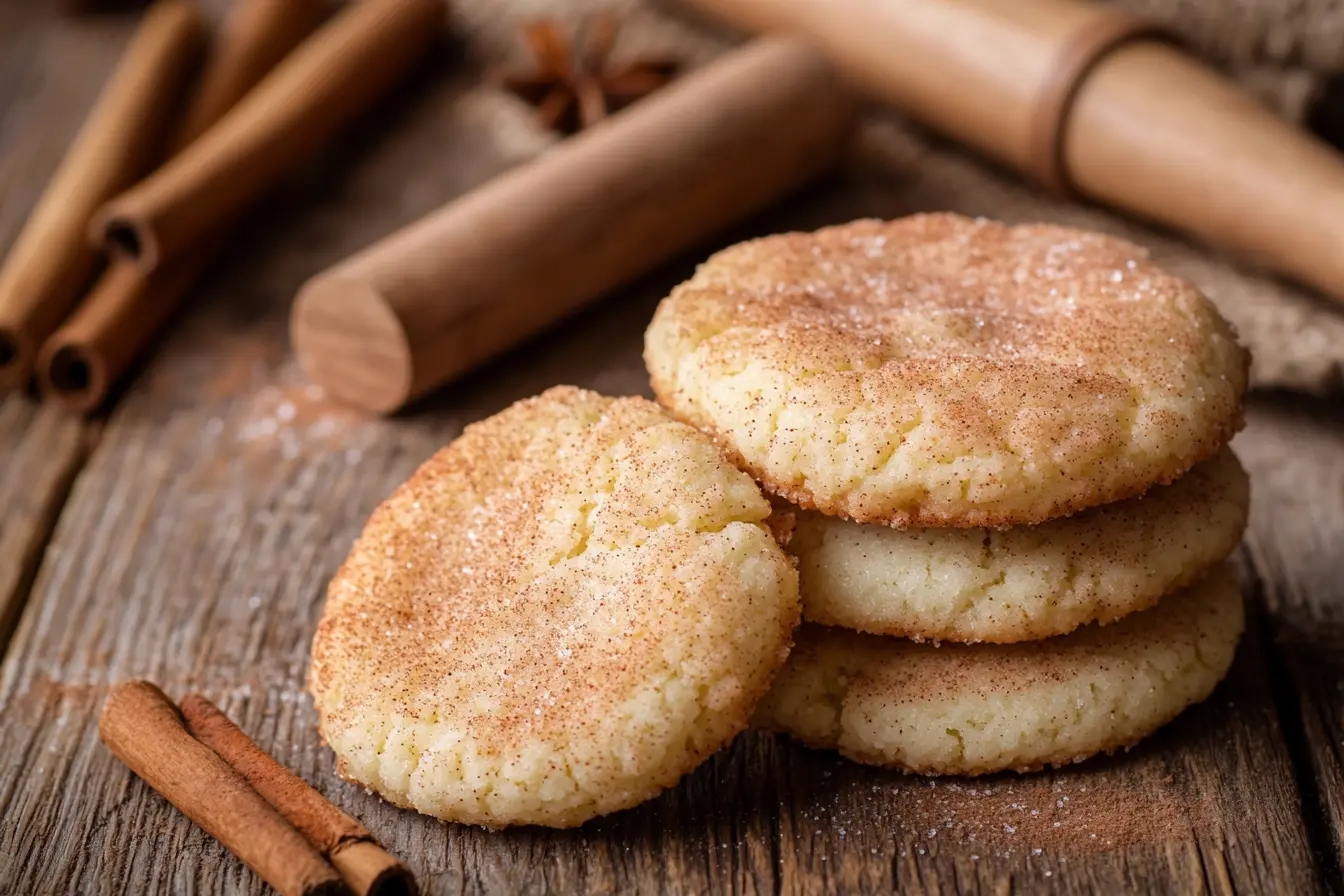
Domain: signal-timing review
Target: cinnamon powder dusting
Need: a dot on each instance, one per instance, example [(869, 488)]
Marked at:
[(1070, 813)]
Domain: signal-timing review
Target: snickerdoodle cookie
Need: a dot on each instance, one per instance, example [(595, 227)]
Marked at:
[(557, 616), (972, 709), (943, 371), (1027, 582)]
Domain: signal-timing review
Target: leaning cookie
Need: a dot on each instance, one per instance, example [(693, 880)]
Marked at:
[(1027, 582), (558, 616), (943, 371), (975, 709)]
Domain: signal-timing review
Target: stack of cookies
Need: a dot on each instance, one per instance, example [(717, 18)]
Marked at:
[(1008, 438), (999, 453)]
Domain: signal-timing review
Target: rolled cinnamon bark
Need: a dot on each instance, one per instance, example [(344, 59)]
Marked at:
[(329, 80), (50, 263), (82, 360), (256, 35), (533, 245), (1074, 95), (368, 869), (143, 729)]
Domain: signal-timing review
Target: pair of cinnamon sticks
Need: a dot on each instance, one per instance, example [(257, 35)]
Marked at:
[(273, 92), (270, 818)]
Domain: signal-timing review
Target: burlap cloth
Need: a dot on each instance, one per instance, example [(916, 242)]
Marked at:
[(1284, 50)]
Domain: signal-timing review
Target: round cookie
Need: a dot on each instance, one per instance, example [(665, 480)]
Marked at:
[(973, 709), (943, 371), (1025, 583), (556, 617)]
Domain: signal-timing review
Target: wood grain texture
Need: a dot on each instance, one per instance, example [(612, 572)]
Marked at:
[(41, 450), (1294, 448), (197, 541)]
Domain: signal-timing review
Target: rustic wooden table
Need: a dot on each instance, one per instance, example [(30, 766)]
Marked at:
[(187, 536)]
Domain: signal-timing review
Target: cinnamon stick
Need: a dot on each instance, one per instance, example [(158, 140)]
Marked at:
[(256, 35), (143, 729), (368, 869), (535, 244), (330, 79), (50, 264), (82, 360)]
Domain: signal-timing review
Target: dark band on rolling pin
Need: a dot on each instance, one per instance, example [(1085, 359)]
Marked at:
[(1089, 45)]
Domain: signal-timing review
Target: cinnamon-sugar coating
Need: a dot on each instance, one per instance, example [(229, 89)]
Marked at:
[(943, 371), (556, 617)]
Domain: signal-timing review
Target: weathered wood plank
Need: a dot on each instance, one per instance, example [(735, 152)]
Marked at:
[(196, 544), (42, 102), (1295, 450), (41, 450)]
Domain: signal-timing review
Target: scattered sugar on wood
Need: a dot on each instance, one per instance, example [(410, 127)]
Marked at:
[(290, 415)]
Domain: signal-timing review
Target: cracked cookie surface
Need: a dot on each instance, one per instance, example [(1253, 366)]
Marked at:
[(943, 371), (1027, 582), (556, 617), (975, 709)]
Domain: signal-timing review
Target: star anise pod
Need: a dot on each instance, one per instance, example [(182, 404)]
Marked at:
[(574, 84)]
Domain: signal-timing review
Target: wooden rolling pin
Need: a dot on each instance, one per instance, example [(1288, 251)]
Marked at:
[(484, 272), (1083, 98)]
